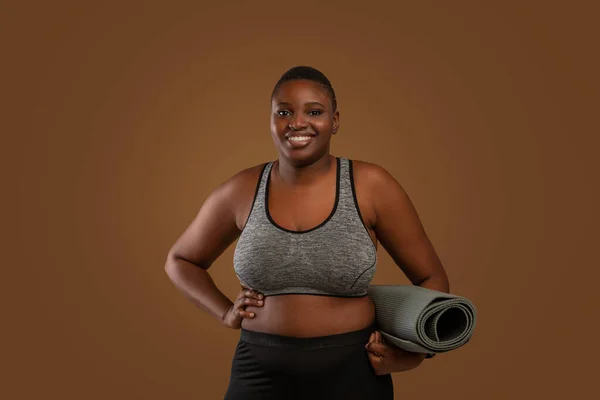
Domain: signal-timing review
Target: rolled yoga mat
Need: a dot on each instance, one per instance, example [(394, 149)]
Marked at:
[(423, 320)]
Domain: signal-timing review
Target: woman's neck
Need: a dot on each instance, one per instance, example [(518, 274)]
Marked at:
[(307, 175)]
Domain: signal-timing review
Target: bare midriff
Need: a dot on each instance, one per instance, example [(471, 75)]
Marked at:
[(310, 316)]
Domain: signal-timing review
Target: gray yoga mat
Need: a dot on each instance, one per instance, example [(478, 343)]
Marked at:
[(423, 320)]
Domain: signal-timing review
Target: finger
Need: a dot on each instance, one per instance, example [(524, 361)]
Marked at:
[(375, 359), (371, 349), (242, 297), (379, 348), (253, 302), (378, 336), (371, 340), (372, 353), (246, 314), (244, 294), (239, 302), (253, 294), (378, 365)]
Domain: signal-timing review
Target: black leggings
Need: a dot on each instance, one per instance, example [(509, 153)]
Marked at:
[(267, 366)]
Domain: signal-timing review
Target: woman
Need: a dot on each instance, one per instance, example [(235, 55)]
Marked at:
[(308, 226)]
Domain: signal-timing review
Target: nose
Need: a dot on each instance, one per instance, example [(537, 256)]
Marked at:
[(298, 122)]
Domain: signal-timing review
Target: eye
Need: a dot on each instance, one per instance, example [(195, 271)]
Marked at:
[(315, 112), (283, 113)]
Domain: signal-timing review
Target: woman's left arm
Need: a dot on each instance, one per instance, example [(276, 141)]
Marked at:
[(400, 231)]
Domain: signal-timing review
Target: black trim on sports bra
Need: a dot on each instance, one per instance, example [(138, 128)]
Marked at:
[(262, 171), (335, 205), (351, 171)]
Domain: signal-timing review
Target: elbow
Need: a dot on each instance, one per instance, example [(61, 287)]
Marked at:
[(171, 265), (436, 282), (441, 283), (175, 265), (444, 284)]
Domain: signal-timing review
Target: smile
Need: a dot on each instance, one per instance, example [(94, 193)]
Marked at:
[(299, 141), (299, 138)]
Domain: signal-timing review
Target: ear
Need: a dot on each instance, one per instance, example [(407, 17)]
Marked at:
[(336, 122)]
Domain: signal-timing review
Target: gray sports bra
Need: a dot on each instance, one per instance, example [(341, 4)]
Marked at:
[(335, 258)]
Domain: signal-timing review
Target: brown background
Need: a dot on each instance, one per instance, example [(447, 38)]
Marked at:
[(119, 119)]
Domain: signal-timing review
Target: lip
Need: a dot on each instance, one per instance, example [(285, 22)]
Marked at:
[(297, 134), (299, 144)]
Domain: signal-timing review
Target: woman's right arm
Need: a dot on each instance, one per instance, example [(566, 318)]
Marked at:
[(212, 231)]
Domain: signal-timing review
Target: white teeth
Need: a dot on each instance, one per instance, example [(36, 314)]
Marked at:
[(298, 138)]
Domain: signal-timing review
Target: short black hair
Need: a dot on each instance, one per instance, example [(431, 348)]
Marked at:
[(303, 72)]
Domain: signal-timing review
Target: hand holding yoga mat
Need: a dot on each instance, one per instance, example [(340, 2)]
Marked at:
[(422, 320)]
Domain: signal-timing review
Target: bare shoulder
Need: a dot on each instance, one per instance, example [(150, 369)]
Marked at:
[(245, 179), (219, 221), (373, 177), (240, 190), (374, 184), (367, 178)]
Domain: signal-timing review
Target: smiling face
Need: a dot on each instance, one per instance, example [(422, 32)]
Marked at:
[(302, 121)]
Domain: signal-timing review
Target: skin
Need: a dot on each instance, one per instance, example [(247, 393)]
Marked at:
[(301, 196)]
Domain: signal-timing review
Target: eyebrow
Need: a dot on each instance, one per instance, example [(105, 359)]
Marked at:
[(311, 103)]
